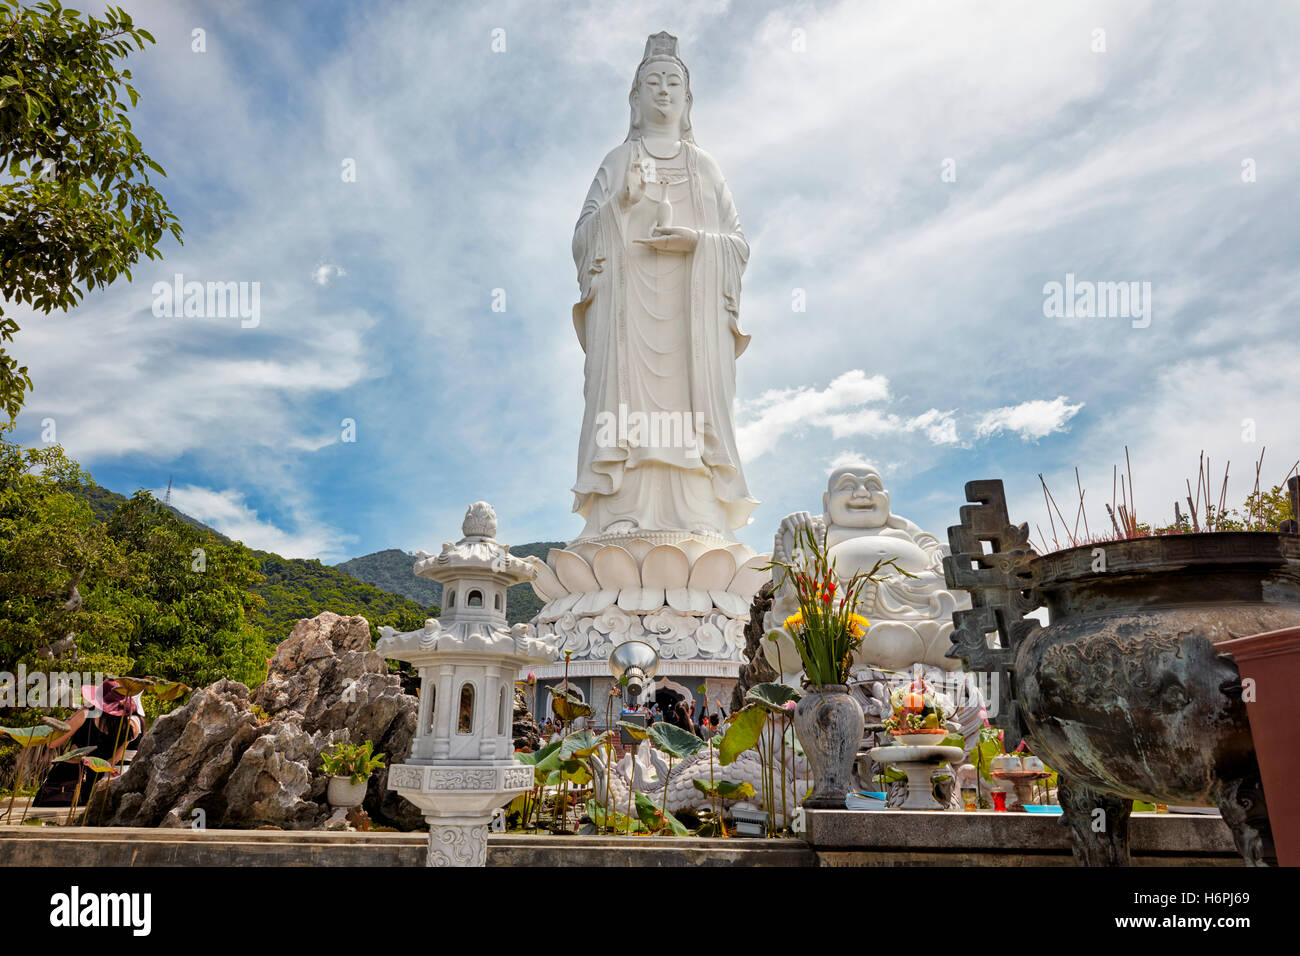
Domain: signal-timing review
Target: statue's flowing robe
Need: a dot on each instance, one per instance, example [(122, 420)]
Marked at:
[(661, 336)]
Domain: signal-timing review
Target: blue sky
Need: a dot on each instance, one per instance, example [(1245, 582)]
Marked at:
[(924, 346)]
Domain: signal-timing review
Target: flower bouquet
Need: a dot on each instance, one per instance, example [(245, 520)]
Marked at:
[(826, 629)]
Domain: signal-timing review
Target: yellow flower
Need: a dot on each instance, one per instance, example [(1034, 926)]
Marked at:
[(794, 620), (858, 625)]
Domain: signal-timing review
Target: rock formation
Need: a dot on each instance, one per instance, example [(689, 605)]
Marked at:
[(252, 758), (757, 670), (525, 729)]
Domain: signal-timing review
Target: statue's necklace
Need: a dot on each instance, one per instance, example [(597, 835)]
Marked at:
[(654, 155)]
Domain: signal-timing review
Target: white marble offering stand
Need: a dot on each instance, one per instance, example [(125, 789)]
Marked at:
[(918, 763)]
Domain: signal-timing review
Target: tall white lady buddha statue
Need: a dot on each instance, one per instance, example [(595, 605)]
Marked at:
[(659, 485), (660, 255)]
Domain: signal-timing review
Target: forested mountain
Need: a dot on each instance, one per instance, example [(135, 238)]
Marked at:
[(392, 571), (294, 588)]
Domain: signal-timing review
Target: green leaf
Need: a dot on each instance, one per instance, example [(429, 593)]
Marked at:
[(28, 736), (575, 772), (130, 686), (73, 754), (604, 818), (635, 731), (735, 791), (549, 758), (97, 764), (581, 744), (537, 756), (772, 696), (655, 819), (671, 739), (169, 689), (743, 731), (569, 706)]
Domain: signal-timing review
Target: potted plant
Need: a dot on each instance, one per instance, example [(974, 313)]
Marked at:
[(826, 631), (349, 767)]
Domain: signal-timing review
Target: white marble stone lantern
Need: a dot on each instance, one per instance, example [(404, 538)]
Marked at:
[(462, 764)]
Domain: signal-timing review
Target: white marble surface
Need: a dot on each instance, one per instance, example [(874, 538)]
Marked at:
[(910, 617)]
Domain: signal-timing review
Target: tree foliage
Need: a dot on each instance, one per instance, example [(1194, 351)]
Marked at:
[(157, 593), (50, 544), (77, 208)]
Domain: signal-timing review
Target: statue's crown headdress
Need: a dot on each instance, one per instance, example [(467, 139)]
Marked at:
[(663, 46), (660, 44)]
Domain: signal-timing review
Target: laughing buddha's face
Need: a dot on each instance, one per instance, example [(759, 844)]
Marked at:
[(856, 498)]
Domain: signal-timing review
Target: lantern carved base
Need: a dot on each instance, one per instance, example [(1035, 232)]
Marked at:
[(457, 801), (457, 844)]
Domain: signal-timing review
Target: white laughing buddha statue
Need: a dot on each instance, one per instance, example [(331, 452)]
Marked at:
[(911, 617)]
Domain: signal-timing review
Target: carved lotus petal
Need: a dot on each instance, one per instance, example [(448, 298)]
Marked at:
[(687, 648), (573, 572), (638, 548), (689, 600), (665, 567), (729, 603), (641, 599), (750, 576), (546, 584), (615, 568), (693, 549), (596, 601), (564, 605), (741, 552), (713, 570)]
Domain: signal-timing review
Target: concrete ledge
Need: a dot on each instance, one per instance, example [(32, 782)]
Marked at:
[(834, 838), (986, 838), (130, 846)]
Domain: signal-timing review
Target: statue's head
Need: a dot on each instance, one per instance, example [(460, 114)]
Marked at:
[(661, 88), (856, 498)]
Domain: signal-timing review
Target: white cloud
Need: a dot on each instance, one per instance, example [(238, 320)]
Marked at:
[(228, 512), (781, 412), (325, 273), (1031, 420), (932, 288)]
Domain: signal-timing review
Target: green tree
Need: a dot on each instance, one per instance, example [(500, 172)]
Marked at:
[(54, 554), (77, 209), (188, 597)]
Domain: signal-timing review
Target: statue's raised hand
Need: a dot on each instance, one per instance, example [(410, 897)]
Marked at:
[(677, 239), (634, 189)]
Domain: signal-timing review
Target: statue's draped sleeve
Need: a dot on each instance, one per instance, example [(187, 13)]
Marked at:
[(716, 339), (598, 227)]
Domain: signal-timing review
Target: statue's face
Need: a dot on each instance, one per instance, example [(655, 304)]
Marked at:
[(856, 498), (661, 92)]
